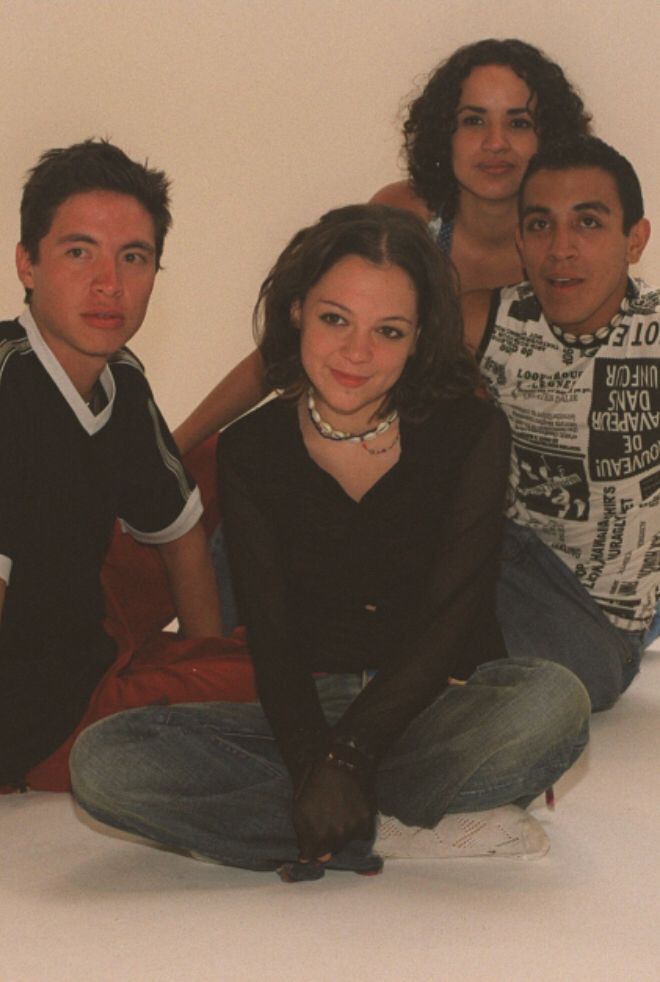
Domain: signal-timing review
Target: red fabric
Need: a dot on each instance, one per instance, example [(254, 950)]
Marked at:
[(153, 665), (164, 670)]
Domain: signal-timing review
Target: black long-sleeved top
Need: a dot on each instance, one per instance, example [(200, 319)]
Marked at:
[(402, 581)]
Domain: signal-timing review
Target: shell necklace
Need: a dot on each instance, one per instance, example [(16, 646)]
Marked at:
[(329, 432)]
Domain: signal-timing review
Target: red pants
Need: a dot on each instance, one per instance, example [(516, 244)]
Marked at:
[(153, 665)]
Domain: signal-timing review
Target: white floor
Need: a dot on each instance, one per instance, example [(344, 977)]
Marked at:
[(79, 905)]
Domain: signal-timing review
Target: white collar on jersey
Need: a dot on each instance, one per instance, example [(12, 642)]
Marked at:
[(91, 423)]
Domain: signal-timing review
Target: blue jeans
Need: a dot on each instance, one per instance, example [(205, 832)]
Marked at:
[(544, 611), (653, 631), (209, 778), (223, 581)]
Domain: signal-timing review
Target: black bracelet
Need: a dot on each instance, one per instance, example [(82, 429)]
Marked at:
[(339, 761), (346, 756)]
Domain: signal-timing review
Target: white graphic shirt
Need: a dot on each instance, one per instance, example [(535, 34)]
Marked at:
[(585, 420)]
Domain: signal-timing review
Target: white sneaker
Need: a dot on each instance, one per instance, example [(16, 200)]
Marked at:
[(506, 831)]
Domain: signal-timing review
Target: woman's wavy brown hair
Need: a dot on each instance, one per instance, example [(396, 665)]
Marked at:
[(440, 366)]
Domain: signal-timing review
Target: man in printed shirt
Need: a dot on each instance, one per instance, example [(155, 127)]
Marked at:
[(572, 357)]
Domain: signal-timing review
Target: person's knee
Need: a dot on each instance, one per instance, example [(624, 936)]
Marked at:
[(575, 699), (95, 765), (603, 685), (553, 717), (562, 700), (602, 697), (602, 682)]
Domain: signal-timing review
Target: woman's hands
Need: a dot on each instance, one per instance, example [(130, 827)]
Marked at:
[(333, 805)]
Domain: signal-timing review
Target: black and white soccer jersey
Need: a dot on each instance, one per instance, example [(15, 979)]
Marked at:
[(67, 474)]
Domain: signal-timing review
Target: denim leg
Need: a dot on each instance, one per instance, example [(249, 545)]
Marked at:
[(190, 777), (635, 642), (223, 581), (206, 778), (653, 630), (209, 778), (503, 737), (545, 612)]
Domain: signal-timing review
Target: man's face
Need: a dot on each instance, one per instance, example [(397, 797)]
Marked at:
[(92, 280), (573, 246)]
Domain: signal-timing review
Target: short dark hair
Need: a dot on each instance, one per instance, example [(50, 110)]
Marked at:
[(431, 121), (440, 365), (589, 151), (93, 165)]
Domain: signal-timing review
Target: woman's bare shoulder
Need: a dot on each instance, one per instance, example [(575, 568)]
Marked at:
[(401, 195)]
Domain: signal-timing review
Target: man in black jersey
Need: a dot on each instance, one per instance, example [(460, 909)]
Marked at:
[(81, 443)]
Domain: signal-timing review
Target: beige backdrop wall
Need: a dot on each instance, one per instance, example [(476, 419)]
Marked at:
[(268, 112)]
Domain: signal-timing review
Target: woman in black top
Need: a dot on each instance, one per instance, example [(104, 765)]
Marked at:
[(362, 510)]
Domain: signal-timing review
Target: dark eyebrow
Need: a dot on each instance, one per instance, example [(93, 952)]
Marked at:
[(534, 210), (598, 206), (390, 317), (514, 111), (139, 244), (593, 206), (77, 237), (90, 240)]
